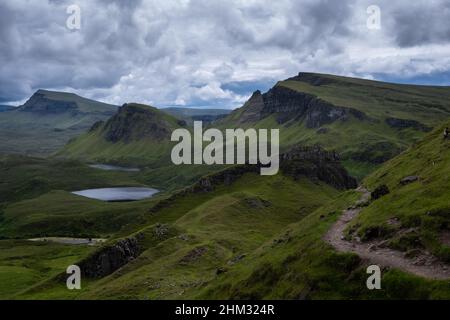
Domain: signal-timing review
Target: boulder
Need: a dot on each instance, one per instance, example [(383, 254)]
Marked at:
[(408, 180), (380, 192)]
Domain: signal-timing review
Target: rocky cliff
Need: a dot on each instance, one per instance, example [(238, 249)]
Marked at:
[(40, 103), (110, 258), (134, 122), (289, 105), (311, 162)]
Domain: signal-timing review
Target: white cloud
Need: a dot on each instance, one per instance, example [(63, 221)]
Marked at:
[(186, 52)]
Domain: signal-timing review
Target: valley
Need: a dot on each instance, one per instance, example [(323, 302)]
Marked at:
[(197, 231)]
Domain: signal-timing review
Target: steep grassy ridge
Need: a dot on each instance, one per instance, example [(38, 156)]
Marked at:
[(415, 215), (367, 122)]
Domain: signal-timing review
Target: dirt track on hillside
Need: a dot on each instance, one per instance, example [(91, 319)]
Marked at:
[(424, 265)]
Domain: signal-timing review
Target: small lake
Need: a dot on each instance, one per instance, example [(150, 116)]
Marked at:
[(109, 167), (118, 194)]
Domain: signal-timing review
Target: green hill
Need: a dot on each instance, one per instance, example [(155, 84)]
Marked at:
[(415, 215), (190, 236), (367, 122), (136, 134), (47, 121)]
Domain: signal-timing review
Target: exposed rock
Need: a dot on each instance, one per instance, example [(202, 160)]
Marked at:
[(301, 161), (182, 123), (405, 123), (257, 202), (161, 231), (316, 163), (289, 104), (323, 131), (134, 122), (236, 259), (251, 111), (408, 180), (110, 258), (193, 255), (39, 103), (379, 192), (220, 271)]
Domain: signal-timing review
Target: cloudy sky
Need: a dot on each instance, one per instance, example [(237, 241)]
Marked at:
[(214, 52)]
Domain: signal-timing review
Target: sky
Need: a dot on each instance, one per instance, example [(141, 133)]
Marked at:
[(213, 53)]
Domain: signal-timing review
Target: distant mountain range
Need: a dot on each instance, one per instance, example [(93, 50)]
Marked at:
[(49, 119), (367, 122), (4, 108)]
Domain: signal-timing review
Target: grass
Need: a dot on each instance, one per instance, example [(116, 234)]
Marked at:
[(222, 225), (24, 264), (423, 205), (302, 266), (363, 144)]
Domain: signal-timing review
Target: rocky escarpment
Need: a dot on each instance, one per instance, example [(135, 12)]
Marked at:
[(289, 105), (39, 103), (134, 122), (312, 162), (405, 123), (110, 258), (317, 164)]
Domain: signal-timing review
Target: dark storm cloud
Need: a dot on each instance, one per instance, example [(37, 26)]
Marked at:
[(421, 23), (203, 52)]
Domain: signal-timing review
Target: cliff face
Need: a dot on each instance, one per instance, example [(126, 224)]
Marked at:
[(39, 103), (312, 162), (289, 105), (316, 164), (108, 259), (134, 122)]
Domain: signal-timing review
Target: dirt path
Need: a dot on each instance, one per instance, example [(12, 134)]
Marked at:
[(424, 265)]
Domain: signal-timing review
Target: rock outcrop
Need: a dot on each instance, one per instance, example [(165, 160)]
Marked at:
[(379, 192), (110, 258), (405, 123), (134, 122), (312, 162), (316, 164), (289, 105), (39, 103)]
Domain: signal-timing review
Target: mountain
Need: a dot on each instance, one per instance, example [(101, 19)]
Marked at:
[(47, 121), (367, 122), (191, 114), (4, 108), (137, 134)]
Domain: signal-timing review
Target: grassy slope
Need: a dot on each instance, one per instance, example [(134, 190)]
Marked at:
[(23, 263), (426, 104), (151, 155), (228, 222), (423, 205), (303, 266), (36, 199)]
